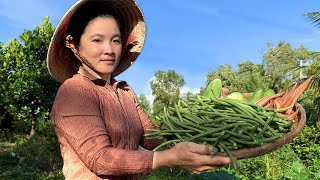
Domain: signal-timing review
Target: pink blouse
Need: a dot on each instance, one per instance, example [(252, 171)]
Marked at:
[(100, 128)]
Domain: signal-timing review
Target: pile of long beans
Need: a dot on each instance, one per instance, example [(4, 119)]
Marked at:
[(225, 124)]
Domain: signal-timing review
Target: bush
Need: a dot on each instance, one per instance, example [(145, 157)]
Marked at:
[(35, 158), (307, 148)]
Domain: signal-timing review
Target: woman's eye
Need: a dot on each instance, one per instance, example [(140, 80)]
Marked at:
[(117, 41), (97, 40)]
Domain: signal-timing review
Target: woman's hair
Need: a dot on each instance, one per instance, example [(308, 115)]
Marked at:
[(84, 15)]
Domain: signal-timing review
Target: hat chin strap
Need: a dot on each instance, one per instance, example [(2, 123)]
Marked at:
[(85, 63)]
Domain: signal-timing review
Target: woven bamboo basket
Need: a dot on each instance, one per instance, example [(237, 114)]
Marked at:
[(245, 153)]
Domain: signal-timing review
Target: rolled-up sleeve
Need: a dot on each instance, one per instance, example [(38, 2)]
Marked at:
[(76, 116)]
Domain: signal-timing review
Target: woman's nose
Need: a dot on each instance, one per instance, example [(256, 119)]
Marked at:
[(108, 48)]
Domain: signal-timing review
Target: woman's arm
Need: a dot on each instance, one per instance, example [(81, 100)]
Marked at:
[(76, 118)]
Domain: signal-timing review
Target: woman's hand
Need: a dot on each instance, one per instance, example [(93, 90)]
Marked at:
[(189, 156)]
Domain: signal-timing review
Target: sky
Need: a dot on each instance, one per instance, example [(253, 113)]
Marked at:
[(192, 37)]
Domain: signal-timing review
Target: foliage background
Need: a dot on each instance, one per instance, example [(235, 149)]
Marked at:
[(29, 148)]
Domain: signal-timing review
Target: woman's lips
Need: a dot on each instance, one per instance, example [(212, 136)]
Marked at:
[(108, 61)]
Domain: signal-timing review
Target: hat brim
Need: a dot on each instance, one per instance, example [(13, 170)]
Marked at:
[(59, 57)]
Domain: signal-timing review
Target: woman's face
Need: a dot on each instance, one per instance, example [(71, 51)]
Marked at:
[(100, 44)]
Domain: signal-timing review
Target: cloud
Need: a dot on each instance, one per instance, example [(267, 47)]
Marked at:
[(150, 98), (186, 89), (308, 40), (148, 91)]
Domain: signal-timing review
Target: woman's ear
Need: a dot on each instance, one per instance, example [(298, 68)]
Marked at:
[(71, 45)]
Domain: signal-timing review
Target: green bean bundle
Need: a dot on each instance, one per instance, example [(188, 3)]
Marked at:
[(223, 123)]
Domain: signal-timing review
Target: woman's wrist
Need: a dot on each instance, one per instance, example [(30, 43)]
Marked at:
[(162, 159)]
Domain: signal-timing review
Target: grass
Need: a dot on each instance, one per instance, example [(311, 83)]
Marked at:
[(30, 158)]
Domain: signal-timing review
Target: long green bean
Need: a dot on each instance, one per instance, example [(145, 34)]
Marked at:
[(225, 124)]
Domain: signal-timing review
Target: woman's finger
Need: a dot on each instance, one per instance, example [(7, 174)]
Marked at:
[(199, 148), (213, 160), (206, 168)]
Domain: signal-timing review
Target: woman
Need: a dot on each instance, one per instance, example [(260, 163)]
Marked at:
[(98, 120)]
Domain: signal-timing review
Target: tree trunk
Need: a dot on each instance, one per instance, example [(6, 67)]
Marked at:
[(33, 130)]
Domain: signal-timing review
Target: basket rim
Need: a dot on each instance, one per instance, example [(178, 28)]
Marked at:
[(250, 152)]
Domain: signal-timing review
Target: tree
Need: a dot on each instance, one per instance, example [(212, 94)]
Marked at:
[(280, 63), (314, 69), (249, 77), (314, 89), (302, 55), (280, 67), (246, 78), (186, 96), (166, 89), (28, 88), (225, 73), (314, 18), (145, 104), (5, 117)]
